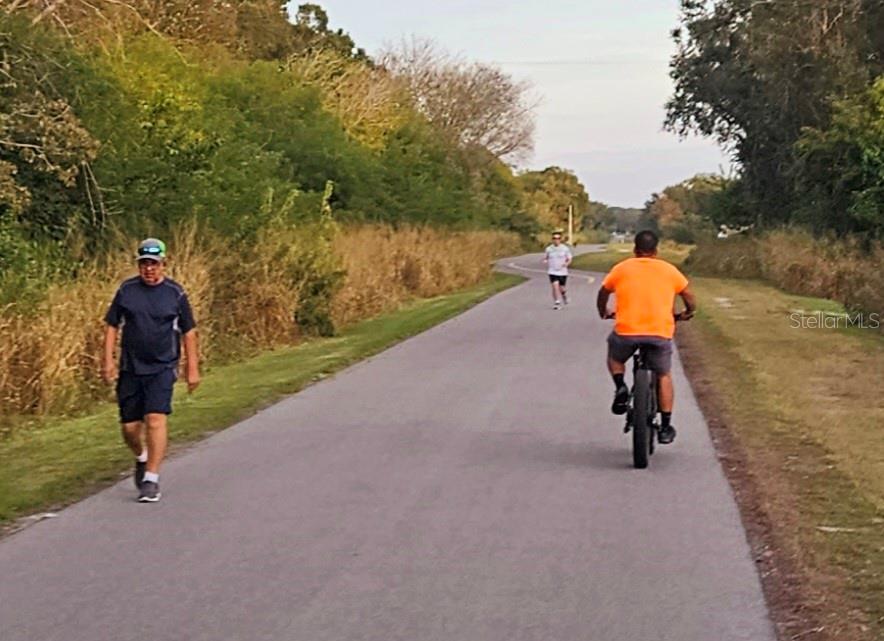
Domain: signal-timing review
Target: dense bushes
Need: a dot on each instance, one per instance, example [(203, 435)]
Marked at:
[(841, 172), (298, 183), (843, 270), (154, 132), (293, 281)]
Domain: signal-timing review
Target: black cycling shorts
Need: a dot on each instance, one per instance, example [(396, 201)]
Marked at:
[(560, 279), (148, 394)]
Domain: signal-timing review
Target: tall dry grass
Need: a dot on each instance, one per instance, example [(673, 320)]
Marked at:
[(845, 270), (385, 266), (244, 301)]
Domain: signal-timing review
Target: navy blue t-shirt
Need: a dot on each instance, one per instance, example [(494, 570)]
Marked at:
[(154, 317)]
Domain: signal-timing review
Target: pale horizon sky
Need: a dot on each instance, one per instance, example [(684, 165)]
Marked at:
[(600, 68)]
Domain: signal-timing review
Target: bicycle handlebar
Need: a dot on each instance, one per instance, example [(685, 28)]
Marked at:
[(679, 317)]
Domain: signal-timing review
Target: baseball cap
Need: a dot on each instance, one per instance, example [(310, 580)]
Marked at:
[(151, 248)]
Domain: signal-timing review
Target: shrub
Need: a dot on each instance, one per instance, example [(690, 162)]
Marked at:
[(848, 270), (283, 283)]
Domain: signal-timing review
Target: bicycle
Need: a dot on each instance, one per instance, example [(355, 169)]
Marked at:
[(641, 413)]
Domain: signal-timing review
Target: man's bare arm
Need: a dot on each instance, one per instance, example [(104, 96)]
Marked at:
[(602, 301), (690, 303), (191, 352), (108, 367)]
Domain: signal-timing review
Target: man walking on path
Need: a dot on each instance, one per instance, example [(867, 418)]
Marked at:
[(155, 315), (557, 257)]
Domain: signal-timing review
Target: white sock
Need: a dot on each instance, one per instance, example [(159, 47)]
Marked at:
[(142, 458), (151, 477)]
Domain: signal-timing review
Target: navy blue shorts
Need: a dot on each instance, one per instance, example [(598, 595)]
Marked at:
[(140, 395)]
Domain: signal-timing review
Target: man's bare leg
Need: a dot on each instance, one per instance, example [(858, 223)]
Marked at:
[(556, 291), (621, 395), (156, 441), (665, 397), (665, 392), (133, 434), (616, 368)]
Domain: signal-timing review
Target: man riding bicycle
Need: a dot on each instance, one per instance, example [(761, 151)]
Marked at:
[(645, 288)]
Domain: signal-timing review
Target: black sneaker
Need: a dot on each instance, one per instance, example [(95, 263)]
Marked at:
[(621, 400), (666, 434), (138, 477), (150, 492)]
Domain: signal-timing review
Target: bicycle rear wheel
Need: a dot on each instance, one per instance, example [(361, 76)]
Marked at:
[(641, 429), (652, 415)]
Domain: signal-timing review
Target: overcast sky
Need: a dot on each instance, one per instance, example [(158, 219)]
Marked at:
[(600, 68)]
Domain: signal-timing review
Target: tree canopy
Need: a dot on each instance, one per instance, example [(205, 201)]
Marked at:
[(767, 80)]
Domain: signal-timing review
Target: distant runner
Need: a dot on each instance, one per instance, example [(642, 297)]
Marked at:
[(557, 257), (154, 314)]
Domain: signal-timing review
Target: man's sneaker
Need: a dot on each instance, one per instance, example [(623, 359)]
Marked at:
[(665, 435), (150, 492), (557, 305), (138, 477), (621, 400)]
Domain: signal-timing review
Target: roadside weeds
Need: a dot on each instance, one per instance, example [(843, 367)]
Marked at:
[(814, 521)]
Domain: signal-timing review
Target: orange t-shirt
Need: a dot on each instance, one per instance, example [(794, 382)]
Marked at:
[(645, 289)]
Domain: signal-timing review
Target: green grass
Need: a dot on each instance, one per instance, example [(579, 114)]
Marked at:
[(59, 461), (806, 406), (613, 253)]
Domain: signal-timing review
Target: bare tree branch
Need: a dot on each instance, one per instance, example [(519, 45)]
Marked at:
[(477, 104)]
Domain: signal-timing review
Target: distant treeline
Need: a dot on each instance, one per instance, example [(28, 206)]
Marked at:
[(136, 116)]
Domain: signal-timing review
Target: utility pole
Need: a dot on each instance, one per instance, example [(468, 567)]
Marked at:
[(571, 225)]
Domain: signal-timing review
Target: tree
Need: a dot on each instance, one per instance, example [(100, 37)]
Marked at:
[(755, 74), (599, 216), (549, 193), (474, 104), (312, 33), (664, 210), (370, 104), (842, 167), (45, 151), (256, 29)]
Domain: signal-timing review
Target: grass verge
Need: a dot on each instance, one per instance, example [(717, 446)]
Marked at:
[(796, 413), (60, 461), (613, 253)]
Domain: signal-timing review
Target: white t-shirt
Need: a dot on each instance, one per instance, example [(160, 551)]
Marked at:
[(557, 258)]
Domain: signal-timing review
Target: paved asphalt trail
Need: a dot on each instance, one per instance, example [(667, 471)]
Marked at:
[(468, 484)]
